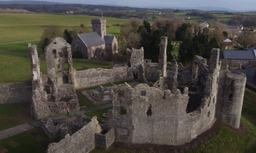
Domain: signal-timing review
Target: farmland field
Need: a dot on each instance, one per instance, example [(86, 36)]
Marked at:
[(221, 17), (19, 29), (27, 27)]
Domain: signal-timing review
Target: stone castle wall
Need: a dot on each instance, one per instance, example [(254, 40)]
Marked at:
[(158, 117), (81, 141), (94, 77), (105, 140), (19, 92), (231, 99)]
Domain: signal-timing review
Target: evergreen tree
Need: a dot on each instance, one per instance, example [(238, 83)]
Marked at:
[(67, 36)]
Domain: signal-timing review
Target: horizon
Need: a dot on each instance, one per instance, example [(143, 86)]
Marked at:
[(230, 5)]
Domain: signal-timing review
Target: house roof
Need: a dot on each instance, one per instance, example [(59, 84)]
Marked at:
[(91, 39), (239, 54), (227, 40), (109, 39)]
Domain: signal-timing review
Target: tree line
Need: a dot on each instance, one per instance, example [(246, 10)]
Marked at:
[(193, 41)]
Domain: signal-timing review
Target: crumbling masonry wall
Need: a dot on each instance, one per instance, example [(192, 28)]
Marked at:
[(230, 97), (18, 92), (54, 92), (94, 77), (81, 141), (59, 63), (154, 115), (162, 59), (39, 108)]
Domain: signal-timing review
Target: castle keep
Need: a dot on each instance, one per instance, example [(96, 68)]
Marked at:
[(172, 106)]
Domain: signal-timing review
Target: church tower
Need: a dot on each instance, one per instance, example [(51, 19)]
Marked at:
[(99, 26)]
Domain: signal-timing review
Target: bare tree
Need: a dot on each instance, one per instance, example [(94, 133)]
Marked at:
[(49, 32), (246, 39), (129, 37)]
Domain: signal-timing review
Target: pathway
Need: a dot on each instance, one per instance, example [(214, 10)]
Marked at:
[(15, 130)]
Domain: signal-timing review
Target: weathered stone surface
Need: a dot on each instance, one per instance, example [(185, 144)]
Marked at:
[(162, 59), (54, 92), (19, 92), (82, 141), (231, 99), (64, 125), (184, 102), (94, 77), (39, 108), (165, 115), (105, 139)]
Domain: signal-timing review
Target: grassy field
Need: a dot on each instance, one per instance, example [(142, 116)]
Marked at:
[(228, 141), (35, 141), (16, 68), (221, 17), (15, 63), (14, 114), (27, 27)]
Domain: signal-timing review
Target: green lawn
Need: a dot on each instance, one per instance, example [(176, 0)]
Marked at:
[(20, 48), (98, 113), (27, 27), (83, 101), (221, 17), (34, 140), (14, 114), (16, 67), (228, 141), (22, 143)]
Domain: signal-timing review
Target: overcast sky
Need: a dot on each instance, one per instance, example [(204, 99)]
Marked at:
[(230, 4)]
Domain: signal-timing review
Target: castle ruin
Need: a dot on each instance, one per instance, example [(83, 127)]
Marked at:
[(174, 105)]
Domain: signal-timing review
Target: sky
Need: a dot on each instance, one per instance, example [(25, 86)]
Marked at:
[(236, 5)]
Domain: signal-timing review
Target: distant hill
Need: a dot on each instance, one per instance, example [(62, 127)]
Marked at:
[(29, 2)]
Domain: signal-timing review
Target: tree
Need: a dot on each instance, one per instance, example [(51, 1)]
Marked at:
[(147, 26), (185, 52), (67, 36), (168, 26), (225, 33), (212, 44), (49, 32), (183, 32), (129, 37), (246, 38), (133, 40)]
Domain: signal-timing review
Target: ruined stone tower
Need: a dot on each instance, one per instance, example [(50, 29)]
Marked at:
[(38, 108), (99, 26), (162, 60), (230, 98), (54, 91)]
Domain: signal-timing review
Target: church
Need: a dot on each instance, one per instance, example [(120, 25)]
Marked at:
[(96, 44)]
